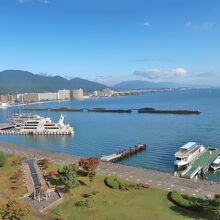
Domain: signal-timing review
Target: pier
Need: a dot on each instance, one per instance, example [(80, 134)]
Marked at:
[(46, 133), (124, 154), (202, 164)]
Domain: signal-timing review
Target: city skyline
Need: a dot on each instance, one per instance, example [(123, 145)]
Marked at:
[(172, 41)]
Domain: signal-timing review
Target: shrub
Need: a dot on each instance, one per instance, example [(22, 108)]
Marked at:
[(178, 199), (52, 173), (44, 161), (117, 183), (112, 182), (2, 159)]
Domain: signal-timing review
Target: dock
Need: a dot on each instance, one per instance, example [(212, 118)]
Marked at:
[(202, 164), (45, 133), (124, 154)]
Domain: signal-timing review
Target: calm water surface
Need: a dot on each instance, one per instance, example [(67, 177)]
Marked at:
[(98, 134)]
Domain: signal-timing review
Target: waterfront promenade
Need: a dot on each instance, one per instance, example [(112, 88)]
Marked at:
[(156, 179)]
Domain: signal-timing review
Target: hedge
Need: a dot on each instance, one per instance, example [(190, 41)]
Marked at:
[(116, 183), (178, 199)]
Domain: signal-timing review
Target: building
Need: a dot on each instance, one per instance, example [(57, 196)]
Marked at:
[(7, 98), (63, 94), (108, 92), (76, 94), (29, 97), (47, 96)]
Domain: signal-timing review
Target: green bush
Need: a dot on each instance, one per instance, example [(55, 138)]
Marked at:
[(2, 159), (117, 183), (112, 182), (178, 199)]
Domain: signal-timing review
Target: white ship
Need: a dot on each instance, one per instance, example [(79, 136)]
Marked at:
[(31, 124), (19, 119), (188, 153), (216, 164)]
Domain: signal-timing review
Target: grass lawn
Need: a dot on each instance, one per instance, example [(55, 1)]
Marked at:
[(113, 204), (9, 189)]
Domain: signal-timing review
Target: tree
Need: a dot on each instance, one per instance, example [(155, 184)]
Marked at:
[(2, 159), (90, 165), (14, 210), (67, 176)]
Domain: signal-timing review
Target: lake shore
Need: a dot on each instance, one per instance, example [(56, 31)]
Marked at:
[(156, 179)]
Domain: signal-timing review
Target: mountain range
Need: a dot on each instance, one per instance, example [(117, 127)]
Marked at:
[(17, 81)]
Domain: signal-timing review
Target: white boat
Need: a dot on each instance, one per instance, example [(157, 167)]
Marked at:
[(216, 164), (37, 125), (188, 153), (19, 119)]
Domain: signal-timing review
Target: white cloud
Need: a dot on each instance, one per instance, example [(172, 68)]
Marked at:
[(147, 24), (161, 74), (202, 25)]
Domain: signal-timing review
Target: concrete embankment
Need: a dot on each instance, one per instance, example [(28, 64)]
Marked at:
[(156, 179)]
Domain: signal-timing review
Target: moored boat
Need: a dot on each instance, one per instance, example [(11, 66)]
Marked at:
[(187, 154), (215, 164)]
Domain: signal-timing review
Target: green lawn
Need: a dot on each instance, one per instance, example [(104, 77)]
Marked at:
[(8, 188), (113, 204)]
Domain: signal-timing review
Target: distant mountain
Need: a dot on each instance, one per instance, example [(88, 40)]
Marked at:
[(141, 84), (17, 81)]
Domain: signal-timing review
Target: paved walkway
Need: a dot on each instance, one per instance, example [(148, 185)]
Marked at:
[(156, 179)]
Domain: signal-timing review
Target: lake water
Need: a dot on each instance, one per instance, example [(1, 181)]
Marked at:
[(98, 134)]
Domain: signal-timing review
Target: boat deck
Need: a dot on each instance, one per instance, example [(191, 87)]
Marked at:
[(201, 164)]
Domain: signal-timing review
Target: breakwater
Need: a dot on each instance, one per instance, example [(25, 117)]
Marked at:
[(179, 112), (104, 110)]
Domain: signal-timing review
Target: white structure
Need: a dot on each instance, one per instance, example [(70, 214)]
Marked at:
[(108, 92), (63, 94), (216, 164), (77, 94), (188, 153), (3, 104), (47, 96), (37, 125)]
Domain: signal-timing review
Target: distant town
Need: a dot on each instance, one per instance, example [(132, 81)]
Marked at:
[(65, 94)]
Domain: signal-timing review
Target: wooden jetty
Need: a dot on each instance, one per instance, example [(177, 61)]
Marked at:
[(124, 154), (201, 165)]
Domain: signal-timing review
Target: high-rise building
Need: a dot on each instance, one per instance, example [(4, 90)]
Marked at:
[(30, 97), (47, 96), (63, 94), (76, 94)]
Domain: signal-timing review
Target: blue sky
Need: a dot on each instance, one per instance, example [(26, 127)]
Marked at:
[(113, 40)]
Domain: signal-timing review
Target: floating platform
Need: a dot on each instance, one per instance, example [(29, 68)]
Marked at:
[(202, 164), (45, 133), (124, 154)]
